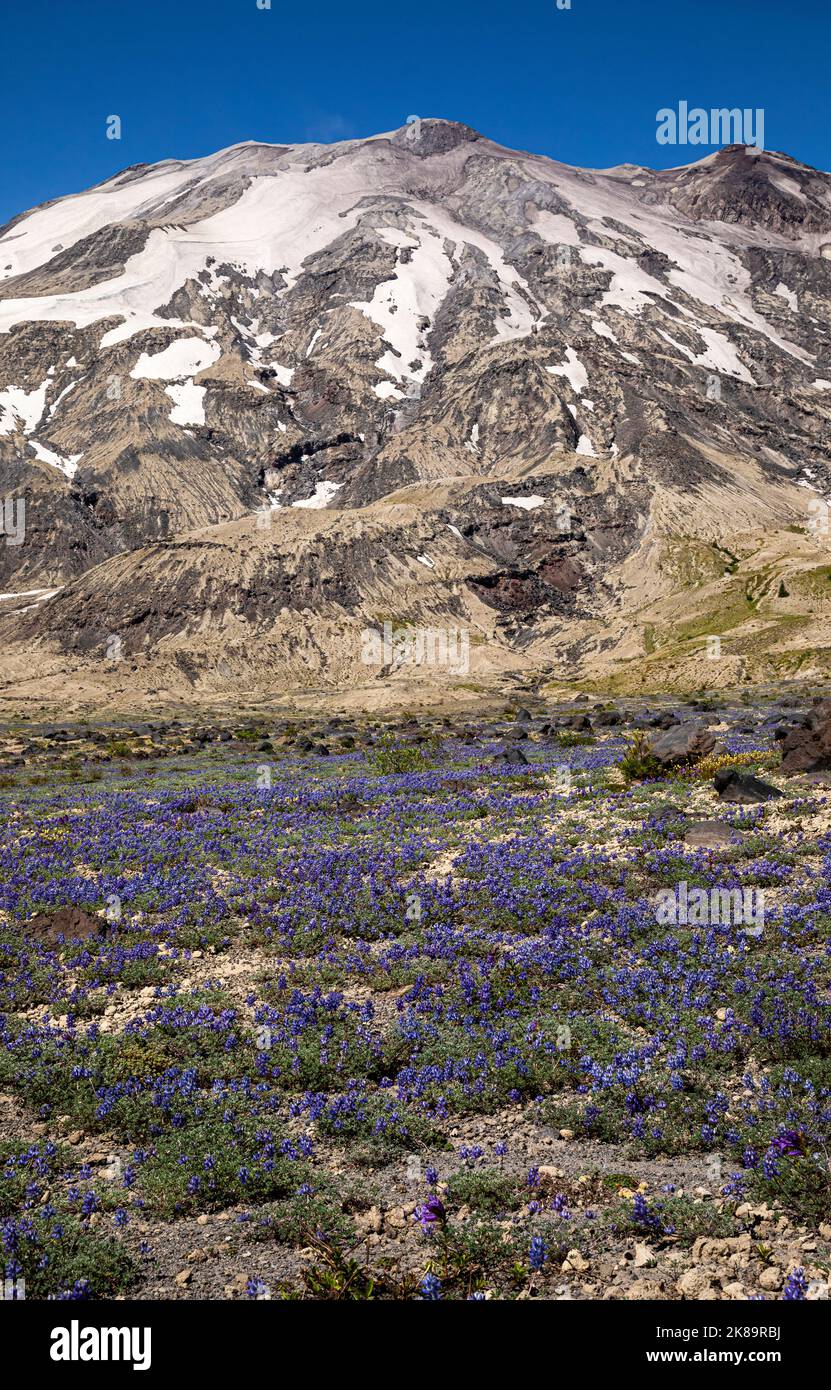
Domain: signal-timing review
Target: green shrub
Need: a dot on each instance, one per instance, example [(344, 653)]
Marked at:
[(483, 1189), (802, 1187), (392, 759), (212, 1164), (639, 762)]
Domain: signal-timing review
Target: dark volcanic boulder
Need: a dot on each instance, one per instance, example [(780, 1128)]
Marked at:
[(742, 787), (807, 748), (71, 923), (514, 756), (663, 721), (608, 719), (682, 744)]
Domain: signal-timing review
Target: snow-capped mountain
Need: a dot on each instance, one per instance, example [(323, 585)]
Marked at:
[(536, 397)]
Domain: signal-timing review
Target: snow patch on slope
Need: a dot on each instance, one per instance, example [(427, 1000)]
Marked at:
[(528, 504), (323, 494), (573, 369), (415, 292), (67, 466), (184, 358), (789, 296), (188, 403), (18, 404), (276, 223)]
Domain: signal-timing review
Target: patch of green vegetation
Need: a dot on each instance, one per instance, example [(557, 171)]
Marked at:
[(814, 583), (802, 1187), (49, 1248), (483, 1189), (639, 762), (681, 1218), (97, 1266), (692, 562), (733, 608), (215, 1163), (390, 758), (309, 1212), (377, 1130)]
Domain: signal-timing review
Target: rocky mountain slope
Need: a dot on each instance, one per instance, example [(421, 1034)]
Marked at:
[(258, 401)]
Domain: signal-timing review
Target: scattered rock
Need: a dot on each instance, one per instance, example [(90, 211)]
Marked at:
[(550, 1179), (741, 787), (644, 1289), (514, 756), (807, 748), (369, 1222), (709, 834), (71, 923), (696, 1284), (682, 744)]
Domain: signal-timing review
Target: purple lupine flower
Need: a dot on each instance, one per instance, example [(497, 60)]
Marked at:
[(789, 1144), (431, 1213), (537, 1254), (796, 1285)]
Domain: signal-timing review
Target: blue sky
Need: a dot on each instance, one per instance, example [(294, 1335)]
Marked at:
[(580, 84)]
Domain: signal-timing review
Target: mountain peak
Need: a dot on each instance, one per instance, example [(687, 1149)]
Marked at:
[(433, 135), (439, 375)]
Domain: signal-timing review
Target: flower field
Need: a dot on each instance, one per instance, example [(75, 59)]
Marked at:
[(391, 1016)]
